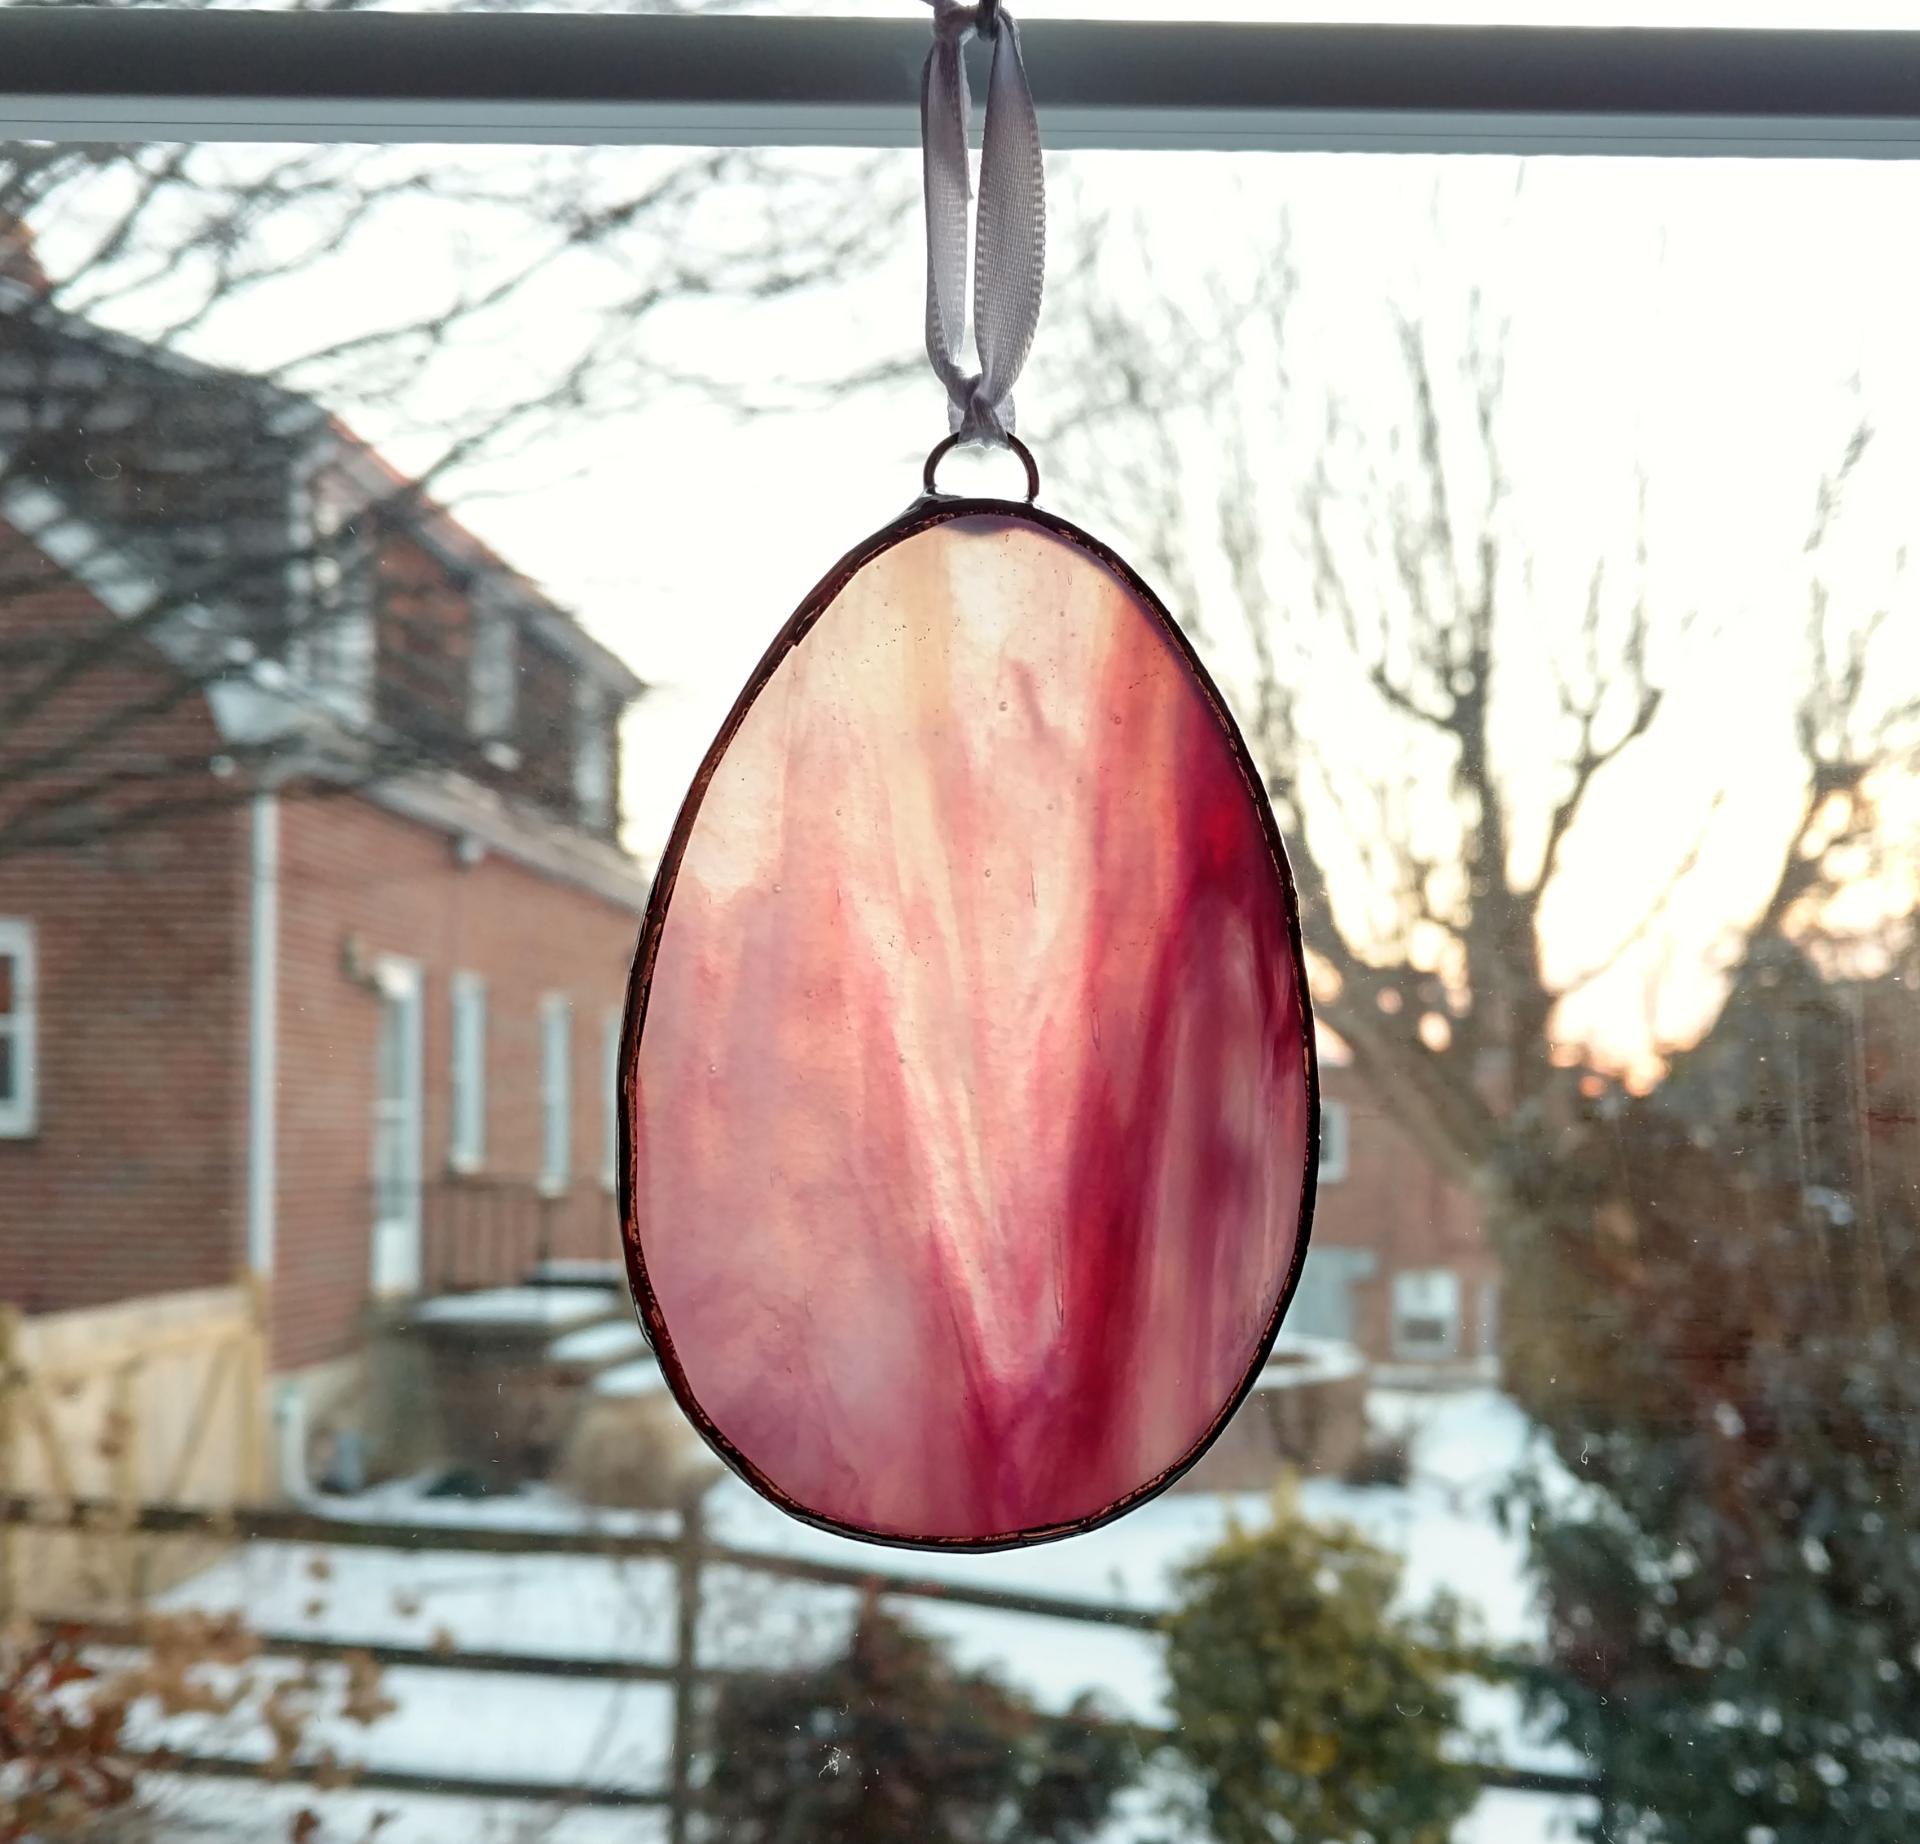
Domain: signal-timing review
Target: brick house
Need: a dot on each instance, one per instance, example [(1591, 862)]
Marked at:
[(1399, 1263), (314, 923)]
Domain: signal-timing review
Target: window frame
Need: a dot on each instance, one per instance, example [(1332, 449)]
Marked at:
[(760, 81), (395, 1245), (20, 1026), (1419, 1351), (611, 1024), (466, 1073), (556, 1094), (493, 674), (333, 584)]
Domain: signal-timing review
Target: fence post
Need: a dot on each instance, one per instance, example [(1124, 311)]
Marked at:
[(12, 1478), (122, 1452), (686, 1589)]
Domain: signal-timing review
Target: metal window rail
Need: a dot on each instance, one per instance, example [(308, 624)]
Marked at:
[(107, 73)]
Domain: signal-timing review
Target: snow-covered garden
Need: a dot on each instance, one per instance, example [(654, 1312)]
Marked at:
[(611, 1736)]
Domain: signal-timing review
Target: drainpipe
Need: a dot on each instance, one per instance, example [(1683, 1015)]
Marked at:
[(263, 1046)]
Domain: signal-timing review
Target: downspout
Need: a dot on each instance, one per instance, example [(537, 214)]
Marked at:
[(263, 1081), (263, 1034)]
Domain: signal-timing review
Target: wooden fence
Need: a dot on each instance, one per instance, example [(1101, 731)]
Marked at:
[(691, 1554), (159, 1399)]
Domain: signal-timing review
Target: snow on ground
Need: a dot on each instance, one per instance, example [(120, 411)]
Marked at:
[(643, 1377), (1463, 1445), (1296, 1359), (1522, 1818), (593, 1344), (516, 1306), (221, 1813)]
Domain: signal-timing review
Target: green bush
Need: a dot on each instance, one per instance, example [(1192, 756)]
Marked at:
[(1310, 1710), (1727, 1359)]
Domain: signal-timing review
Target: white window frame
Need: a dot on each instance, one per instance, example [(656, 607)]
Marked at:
[(394, 1258), (467, 1073), (673, 79), (1420, 1281), (1336, 1130), (610, 1025), (556, 1093), (20, 1112), (334, 652)]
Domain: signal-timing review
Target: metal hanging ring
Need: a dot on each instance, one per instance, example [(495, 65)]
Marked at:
[(943, 449)]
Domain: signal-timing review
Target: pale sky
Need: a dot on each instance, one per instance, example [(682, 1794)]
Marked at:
[(1703, 320)]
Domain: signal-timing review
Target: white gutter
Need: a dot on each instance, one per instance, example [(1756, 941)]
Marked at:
[(263, 1026)]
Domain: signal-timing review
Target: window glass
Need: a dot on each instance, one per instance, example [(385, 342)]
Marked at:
[(1547, 525), (19, 1026)]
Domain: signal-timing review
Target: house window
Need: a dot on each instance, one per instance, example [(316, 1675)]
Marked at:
[(610, 1097), (397, 1109), (467, 1138), (1333, 1141), (593, 755), (556, 1092), (1323, 1304), (1426, 1314), (334, 641), (492, 681), (19, 1022)]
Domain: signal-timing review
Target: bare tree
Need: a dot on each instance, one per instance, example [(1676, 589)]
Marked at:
[(1381, 571)]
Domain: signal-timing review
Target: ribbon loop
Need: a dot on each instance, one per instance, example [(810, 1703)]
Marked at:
[(1010, 252)]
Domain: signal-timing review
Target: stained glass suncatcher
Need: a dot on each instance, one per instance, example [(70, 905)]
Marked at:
[(968, 1085)]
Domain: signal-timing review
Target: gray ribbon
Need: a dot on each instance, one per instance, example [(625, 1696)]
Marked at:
[(1010, 257)]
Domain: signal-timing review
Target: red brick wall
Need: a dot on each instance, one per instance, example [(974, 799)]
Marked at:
[(423, 643), (134, 1181), (1394, 1202), (544, 725), (349, 869)]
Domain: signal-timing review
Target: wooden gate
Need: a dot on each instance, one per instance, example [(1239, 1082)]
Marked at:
[(154, 1399)]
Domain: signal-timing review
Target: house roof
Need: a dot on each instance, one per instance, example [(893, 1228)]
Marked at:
[(116, 463), (266, 702), (433, 526), (199, 472)]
